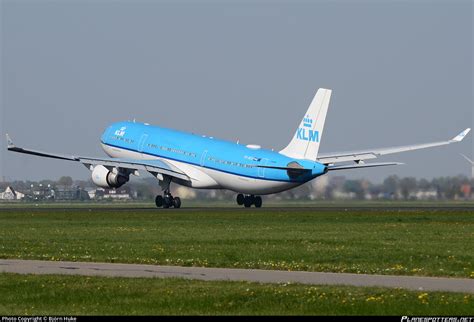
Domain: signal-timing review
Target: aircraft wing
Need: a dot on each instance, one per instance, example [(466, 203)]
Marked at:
[(359, 156), (153, 166)]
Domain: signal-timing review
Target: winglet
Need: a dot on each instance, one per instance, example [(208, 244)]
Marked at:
[(460, 136), (9, 142)]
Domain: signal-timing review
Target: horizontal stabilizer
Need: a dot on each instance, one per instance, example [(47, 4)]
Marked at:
[(362, 165), (284, 168)]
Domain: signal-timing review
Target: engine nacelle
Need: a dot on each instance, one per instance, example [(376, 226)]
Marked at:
[(104, 178)]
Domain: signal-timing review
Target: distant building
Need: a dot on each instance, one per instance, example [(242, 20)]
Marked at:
[(92, 192), (425, 195), (117, 194), (101, 193), (466, 190), (66, 193), (40, 192), (340, 194), (11, 194)]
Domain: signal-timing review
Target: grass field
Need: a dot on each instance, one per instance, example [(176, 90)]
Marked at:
[(212, 203), (78, 295), (407, 242)]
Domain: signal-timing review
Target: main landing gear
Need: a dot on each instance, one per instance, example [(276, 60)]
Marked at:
[(249, 200), (167, 201)]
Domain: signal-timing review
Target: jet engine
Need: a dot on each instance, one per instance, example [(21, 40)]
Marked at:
[(104, 178)]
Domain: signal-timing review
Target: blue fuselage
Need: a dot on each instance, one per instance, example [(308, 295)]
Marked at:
[(207, 152)]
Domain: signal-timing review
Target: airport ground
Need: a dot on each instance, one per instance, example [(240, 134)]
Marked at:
[(409, 239)]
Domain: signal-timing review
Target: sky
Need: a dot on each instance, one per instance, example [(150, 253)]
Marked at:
[(401, 73)]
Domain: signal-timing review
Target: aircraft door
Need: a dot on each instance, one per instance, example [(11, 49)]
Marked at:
[(142, 141), (261, 171), (203, 157)]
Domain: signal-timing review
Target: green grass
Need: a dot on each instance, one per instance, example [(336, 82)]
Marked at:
[(296, 203), (79, 295), (405, 242)]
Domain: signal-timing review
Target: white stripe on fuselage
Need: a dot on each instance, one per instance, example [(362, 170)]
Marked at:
[(205, 178)]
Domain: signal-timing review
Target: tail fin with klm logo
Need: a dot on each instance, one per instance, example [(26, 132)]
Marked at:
[(305, 142)]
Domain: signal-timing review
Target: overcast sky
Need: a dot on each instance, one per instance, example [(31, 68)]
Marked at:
[(401, 73)]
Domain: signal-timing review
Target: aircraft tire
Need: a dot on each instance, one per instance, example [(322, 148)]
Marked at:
[(252, 199), (177, 202), (240, 199), (159, 201), (258, 202), (247, 202), (167, 202)]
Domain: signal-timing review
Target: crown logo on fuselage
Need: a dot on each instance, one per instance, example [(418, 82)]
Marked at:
[(121, 132)]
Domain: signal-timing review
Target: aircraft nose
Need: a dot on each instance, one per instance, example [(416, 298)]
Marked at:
[(106, 133)]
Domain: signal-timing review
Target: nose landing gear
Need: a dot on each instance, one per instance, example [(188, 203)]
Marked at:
[(249, 200)]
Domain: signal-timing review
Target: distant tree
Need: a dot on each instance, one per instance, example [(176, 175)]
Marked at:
[(424, 184), (355, 186), (407, 186), (448, 187), (83, 183), (375, 189), (65, 181), (391, 185)]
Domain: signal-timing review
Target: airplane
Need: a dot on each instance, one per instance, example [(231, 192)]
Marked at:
[(203, 162)]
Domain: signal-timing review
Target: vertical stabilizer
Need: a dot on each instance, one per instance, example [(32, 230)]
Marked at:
[(305, 142)]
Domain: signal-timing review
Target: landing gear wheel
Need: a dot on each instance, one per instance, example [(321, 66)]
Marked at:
[(252, 199), (240, 199), (177, 202), (159, 201), (247, 202), (258, 202), (167, 201)]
